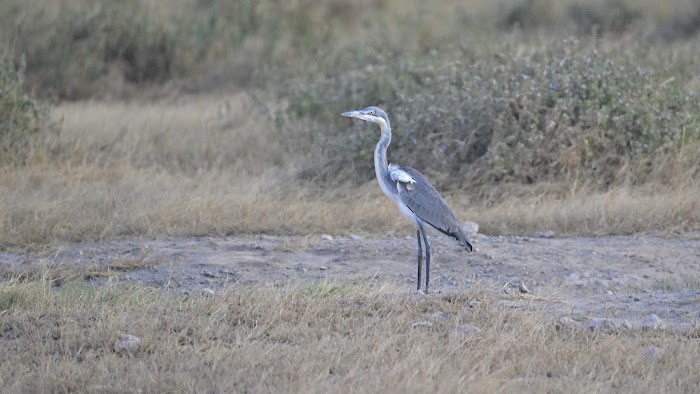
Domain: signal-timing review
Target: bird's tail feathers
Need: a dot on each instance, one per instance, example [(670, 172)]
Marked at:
[(459, 236), (463, 240)]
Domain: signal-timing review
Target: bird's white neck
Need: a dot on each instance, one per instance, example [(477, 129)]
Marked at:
[(381, 164), (380, 160)]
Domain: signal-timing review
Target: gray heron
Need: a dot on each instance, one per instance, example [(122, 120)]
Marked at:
[(416, 198)]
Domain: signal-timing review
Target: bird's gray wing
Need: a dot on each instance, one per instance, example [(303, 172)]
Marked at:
[(423, 200)]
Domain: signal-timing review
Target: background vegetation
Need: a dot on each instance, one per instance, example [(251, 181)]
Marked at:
[(206, 116)]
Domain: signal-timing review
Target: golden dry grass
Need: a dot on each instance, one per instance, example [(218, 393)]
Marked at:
[(622, 210), (214, 165), (326, 337)]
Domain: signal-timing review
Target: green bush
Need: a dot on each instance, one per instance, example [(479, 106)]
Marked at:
[(85, 51), (21, 117), (563, 112), (80, 49), (586, 17)]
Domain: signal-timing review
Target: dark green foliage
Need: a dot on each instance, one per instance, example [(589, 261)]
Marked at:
[(564, 112), (111, 48), (21, 117), (582, 17), (79, 52), (614, 16), (682, 26), (77, 49)]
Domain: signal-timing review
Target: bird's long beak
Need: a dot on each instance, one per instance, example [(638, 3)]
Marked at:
[(351, 114), (354, 114)]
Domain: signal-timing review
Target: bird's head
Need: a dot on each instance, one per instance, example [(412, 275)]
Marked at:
[(370, 114)]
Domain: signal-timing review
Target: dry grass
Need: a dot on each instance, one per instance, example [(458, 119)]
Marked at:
[(322, 338), (622, 210), (214, 166)]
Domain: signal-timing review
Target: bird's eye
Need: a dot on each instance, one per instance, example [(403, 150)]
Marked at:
[(371, 112)]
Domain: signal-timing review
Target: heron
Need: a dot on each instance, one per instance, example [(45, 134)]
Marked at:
[(416, 198)]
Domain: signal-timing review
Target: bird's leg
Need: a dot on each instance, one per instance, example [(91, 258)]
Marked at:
[(427, 257), (420, 257)]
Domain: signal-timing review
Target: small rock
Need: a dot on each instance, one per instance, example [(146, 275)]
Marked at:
[(419, 324), (567, 324), (326, 237), (208, 292), (627, 325), (470, 228), (652, 353), (323, 268), (127, 343), (609, 292), (574, 278), (465, 331), (608, 326), (355, 237), (209, 274), (545, 234), (653, 322), (515, 286), (522, 287)]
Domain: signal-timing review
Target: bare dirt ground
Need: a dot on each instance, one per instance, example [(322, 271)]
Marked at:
[(621, 278)]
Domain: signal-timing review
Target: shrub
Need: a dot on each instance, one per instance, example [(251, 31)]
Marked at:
[(600, 17), (684, 25), (21, 117), (78, 49), (613, 16), (563, 112), (84, 51)]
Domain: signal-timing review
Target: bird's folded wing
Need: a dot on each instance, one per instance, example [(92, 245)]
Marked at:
[(397, 174), (423, 200)]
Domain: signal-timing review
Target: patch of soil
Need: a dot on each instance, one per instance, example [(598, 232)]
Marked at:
[(617, 277)]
